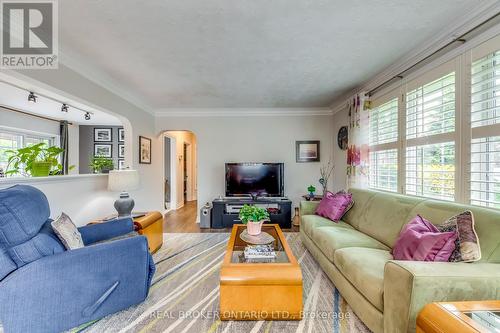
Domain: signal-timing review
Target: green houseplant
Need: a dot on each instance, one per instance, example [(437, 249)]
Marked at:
[(36, 160), (311, 189), (253, 217), (101, 164)]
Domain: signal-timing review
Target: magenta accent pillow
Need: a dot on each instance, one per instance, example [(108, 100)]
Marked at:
[(334, 206), (420, 240)]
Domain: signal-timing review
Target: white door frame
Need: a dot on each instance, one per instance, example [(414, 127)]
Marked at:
[(173, 170)]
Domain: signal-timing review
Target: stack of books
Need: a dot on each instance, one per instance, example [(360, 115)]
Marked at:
[(259, 252)]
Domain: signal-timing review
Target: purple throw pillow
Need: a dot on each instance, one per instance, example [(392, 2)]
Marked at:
[(334, 206), (420, 240)]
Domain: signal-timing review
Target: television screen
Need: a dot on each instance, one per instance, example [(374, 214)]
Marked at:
[(256, 179)]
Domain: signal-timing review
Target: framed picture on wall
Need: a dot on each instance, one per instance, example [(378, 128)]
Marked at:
[(121, 151), (121, 135), (144, 150), (307, 151), (103, 135), (121, 164), (104, 150)]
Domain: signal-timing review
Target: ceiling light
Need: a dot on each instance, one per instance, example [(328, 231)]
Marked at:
[(87, 116), (64, 108), (32, 97)]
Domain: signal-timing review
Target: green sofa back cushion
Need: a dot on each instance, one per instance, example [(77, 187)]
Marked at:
[(381, 215)]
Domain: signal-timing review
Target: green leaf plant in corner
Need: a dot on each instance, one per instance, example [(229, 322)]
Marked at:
[(249, 213), (35, 160)]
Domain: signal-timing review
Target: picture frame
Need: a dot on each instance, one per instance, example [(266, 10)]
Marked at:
[(121, 151), (121, 164), (103, 149), (103, 135), (343, 138), (121, 135), (307, 151), (144, 150)]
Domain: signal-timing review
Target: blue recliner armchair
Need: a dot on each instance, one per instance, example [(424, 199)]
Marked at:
[(45, 288)]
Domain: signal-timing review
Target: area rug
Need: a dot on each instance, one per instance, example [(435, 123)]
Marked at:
[(184, 297)]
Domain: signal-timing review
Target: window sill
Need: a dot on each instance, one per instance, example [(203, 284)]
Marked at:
[(50, 179)]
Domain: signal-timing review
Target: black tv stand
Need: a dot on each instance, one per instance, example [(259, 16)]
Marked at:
[(225, 211)]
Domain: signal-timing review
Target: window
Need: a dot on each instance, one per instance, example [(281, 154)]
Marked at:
[(430, 152), (383, 146), (12, 139), (485, 123)]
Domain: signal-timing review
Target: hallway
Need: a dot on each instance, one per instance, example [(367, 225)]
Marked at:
[(182, 219)]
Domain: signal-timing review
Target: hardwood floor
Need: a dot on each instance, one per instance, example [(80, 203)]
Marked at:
[(184, 220)]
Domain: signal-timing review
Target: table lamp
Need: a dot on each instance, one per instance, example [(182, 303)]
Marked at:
[(123, 181)]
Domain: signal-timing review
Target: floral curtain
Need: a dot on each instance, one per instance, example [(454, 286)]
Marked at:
[(358, 161)]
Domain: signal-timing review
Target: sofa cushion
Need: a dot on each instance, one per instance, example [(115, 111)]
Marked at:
[(23, 211), (381, 215), (331, 239), (334, 206), (45, 243), (364, 268), (310, 222)]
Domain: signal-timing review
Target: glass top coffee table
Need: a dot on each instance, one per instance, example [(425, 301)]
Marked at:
[(471, 316), (260, 289), (278, 247)]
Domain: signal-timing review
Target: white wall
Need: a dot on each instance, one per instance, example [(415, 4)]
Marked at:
[(253, 139), (81, 199)]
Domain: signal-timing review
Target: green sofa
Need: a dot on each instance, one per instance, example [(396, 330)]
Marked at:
[(387, 294)]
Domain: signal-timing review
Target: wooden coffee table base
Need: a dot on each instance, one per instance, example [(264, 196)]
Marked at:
[(260, 291)]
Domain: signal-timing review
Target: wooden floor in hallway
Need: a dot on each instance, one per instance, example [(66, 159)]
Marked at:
[(184, 220)]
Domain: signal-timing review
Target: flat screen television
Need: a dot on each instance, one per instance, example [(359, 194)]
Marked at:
[(254, 179)]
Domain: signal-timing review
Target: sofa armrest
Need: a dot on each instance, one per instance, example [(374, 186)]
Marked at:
[(67, 289), (410, 285), (308, 207), (102, 231)]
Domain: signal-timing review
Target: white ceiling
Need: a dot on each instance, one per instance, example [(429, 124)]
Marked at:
[(17, 98), (245, 53)]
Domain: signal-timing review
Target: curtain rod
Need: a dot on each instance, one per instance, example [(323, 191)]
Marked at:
[(461, 39), (31, 114)]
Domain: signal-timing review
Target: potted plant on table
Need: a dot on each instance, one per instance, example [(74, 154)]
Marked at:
[(101, 164), (35, 160), (253, 217), (311, 189)]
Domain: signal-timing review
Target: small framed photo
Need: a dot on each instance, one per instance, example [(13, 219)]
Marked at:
[(121, 164), (103, 150), (144, 150), (103, 135), (307, 151), (121, 151), (121, 135)]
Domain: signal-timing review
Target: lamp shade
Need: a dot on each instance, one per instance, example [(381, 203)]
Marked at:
[(123, 180)]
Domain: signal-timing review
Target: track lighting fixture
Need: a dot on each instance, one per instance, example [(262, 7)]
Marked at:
[(64, 107), (87, 116), (32, 97)]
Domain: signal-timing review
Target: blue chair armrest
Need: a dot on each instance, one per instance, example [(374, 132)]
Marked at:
[(71, 288), (106, 230)]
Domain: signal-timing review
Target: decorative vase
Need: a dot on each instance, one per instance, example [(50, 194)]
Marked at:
[(254, 228), (311, 195), (40, 169)]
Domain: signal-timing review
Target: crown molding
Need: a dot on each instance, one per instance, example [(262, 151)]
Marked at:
[(478, 13), (243, 112), (74, 62)]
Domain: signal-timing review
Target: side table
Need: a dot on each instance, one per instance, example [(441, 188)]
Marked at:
[(149, 224)]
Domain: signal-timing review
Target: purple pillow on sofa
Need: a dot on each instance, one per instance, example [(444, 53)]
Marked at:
[(420, 240), (334, 206)]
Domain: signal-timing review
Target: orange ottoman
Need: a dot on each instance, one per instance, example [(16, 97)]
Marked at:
[(151, 226)]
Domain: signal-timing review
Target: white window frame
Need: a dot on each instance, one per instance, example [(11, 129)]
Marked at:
[(480, 51), (393, 94)]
